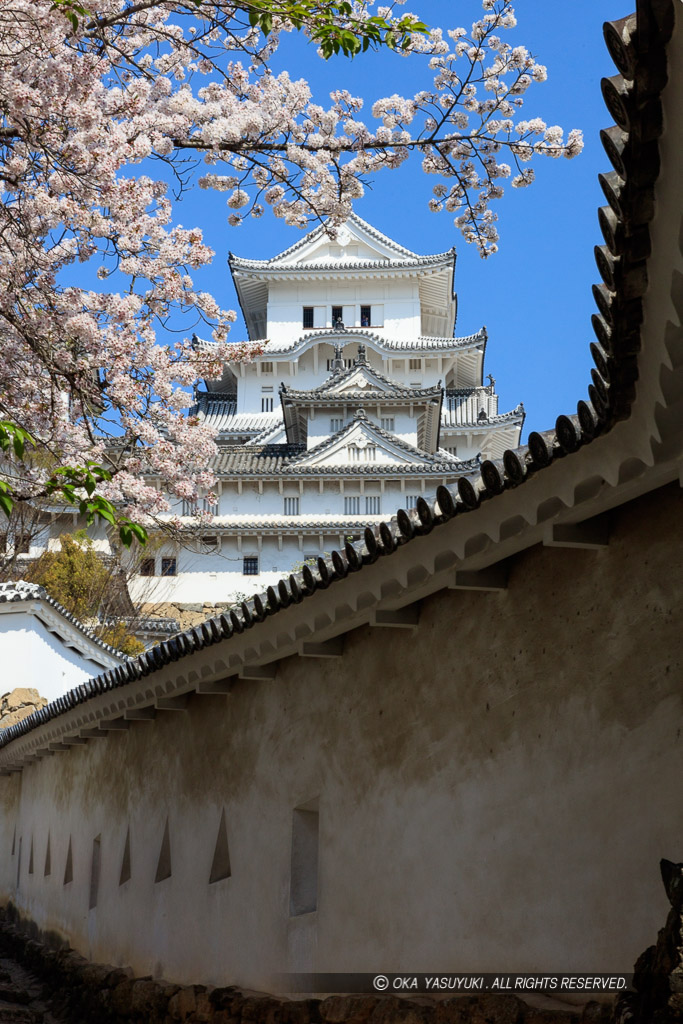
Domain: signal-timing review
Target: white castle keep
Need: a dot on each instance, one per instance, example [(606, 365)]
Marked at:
[(362, 401)]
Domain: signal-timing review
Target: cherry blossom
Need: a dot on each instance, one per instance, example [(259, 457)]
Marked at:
[(88, 100)]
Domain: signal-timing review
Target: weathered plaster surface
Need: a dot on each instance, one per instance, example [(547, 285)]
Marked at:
[(494, 789)]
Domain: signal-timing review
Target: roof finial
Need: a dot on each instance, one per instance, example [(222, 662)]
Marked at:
[(360, 358), (337, 362)]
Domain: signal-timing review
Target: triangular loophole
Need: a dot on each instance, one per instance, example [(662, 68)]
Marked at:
[(69, 869), (220, 866), (125, 863), (30, 858), (164, 862), (48, 858)]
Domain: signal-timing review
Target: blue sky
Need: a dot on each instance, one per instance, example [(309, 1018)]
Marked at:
[(534, 295)]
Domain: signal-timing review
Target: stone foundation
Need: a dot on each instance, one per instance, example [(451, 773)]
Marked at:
[(18, 704), (187, 614)]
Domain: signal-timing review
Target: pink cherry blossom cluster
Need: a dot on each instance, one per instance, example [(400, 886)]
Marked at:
[(82, 105)]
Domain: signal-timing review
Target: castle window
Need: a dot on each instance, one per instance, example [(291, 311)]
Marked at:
[(415, 364), (337, 314), (189, 507), (169, 566), (314, 316), (291, 506), (266, 399), (388, 423), (250, 565), (336, 423), (303, 888), (367, 454), (147, 567), (411, 500), (266, 367), (351, 506), (22, 543), (366, 316), (373, 505)]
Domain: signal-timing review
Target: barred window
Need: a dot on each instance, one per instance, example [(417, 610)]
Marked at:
[(352, 506), (336, 423), (147, 567), (415, 364), (250, 565), (189, 506), (373, 505), (308, 317), (266, 367), (366, 316), (169, 566), (291, 506), (388, 423), (411, 500)]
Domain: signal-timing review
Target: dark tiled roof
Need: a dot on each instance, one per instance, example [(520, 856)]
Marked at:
[(637, 45)]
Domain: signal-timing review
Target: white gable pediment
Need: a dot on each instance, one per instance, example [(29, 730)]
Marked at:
[(360, 444), (355, 241), (362, 378)]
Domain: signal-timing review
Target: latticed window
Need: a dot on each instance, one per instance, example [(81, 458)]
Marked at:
[(189, 507), (169, 566), (373, 505), (266, 367), (415, 364), (366, 316), (308, 317), (266, 399), (352, 506), (147, 567), (388, 423), (250, 565), (411, 500), (291, 506), (336, 423)]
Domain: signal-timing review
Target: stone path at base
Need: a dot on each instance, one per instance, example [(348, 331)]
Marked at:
[(21, 997)]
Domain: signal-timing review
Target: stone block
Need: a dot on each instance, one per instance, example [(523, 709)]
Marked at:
[(336, 1009)]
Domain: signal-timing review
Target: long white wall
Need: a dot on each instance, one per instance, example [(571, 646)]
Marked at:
[(457, 798)]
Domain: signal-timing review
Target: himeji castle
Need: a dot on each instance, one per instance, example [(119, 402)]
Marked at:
[(361, 401)]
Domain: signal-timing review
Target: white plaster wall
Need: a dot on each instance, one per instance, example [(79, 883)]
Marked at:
[(309, 370), (32, 656), (400, 298), (485, 804)]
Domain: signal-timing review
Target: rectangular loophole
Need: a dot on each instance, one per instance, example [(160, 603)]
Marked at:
[(95, 871), (303, 890)]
